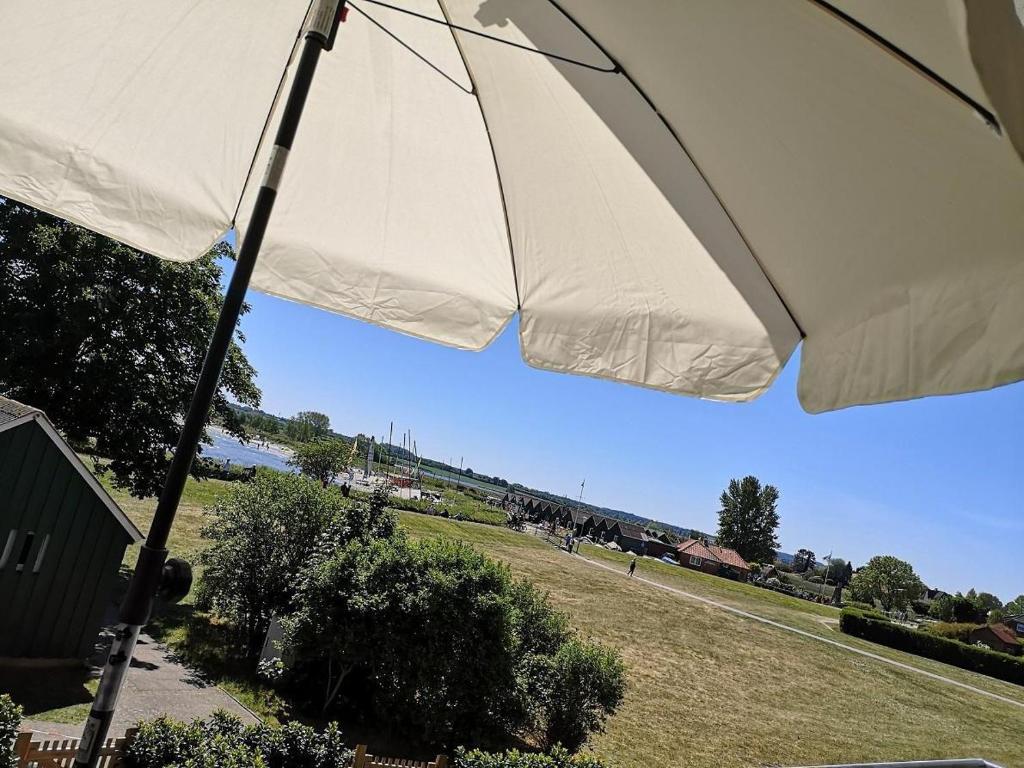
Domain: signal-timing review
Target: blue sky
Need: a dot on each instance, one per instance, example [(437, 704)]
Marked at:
[(938, 482)]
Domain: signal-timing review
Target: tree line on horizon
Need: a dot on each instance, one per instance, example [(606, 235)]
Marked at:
[(748, 522)]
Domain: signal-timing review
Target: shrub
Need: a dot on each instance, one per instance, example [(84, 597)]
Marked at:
[(438, 640), (10, 720), (981, 660), (223, 741), (953, 630), (575, 691), (556, 758)]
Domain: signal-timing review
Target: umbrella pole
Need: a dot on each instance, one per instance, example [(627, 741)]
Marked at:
[(320, 30)]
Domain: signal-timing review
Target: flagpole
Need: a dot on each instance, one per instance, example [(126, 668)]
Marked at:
[(827, 567), (575, 512), (321, 27)]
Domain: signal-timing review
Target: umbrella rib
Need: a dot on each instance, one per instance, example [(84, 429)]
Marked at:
[(672, 132), (409, 48), (270, 115), (614, 69), (490, 141), (915, 64)]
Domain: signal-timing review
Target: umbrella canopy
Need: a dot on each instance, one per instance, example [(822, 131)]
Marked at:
[(671, 194)]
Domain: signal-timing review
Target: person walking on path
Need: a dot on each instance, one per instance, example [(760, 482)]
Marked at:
[(632, 566)]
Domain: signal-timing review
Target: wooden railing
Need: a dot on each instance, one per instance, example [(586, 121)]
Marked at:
[(363, 760), (60, 753)]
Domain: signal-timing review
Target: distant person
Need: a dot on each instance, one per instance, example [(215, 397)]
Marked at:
[(632, 565), (568, 542), (345, 488)]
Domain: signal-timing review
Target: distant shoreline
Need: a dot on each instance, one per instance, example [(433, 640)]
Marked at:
[(274, 449)]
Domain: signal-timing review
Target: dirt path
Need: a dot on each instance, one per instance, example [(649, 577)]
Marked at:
[(810, 635)]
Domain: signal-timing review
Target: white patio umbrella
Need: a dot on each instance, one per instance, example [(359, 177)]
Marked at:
[(670, 194), (673, 203)]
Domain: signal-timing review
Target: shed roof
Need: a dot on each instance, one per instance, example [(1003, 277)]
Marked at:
[(14, 414), (1001, 631), (630, 530), (12, 411)]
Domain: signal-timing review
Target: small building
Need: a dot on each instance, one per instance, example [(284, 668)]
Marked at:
[(596, 526), (62, 539), (629, 536), (998, 637), (700, 555), (1015, 624)]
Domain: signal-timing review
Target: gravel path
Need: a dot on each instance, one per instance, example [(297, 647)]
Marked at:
[(158, 683)]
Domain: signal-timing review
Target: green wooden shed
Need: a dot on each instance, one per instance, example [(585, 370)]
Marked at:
[(62, 539)]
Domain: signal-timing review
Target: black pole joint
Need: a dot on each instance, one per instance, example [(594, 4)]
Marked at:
[(138, 600)]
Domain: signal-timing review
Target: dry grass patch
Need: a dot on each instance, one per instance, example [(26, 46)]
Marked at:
[(709, 688)]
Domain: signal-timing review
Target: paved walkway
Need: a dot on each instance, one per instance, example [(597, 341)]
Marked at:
[(810, 635), (157, 684)]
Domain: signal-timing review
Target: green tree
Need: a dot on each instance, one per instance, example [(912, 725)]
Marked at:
[(803, 561), (835, 568), (749, 519), (847, 575), (942, 608), (262, 533), (889, 580), (986, 603), (1015, 607), (109, 341), (321, 459), (956, 608), (313, 423)]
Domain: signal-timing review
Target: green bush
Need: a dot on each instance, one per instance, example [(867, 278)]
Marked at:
[(859, 606), (953, 630), (876, 615), (999, 665), (575, 691), (223, 741), (10, 720), (435, 639), (556, 758)]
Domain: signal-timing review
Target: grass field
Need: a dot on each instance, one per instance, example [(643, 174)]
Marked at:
[(709, 688)]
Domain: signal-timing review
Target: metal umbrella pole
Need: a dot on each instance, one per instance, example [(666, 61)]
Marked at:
[(320, 30)]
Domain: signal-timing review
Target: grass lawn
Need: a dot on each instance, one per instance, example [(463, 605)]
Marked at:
[(708, 688)]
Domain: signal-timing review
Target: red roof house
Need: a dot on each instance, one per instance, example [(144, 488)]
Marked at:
[(998, 637), (703, 556)]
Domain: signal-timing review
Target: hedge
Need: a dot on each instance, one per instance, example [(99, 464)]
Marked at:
[(556, 758), (982, 660), (222, 741), (953, 631)]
